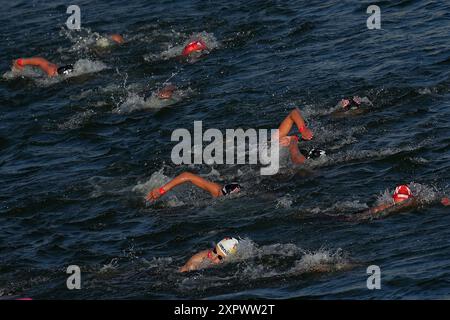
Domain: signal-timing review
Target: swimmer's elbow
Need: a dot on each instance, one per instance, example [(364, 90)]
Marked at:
[(216, 193), (182, 269), (298, 160), (186, 176)]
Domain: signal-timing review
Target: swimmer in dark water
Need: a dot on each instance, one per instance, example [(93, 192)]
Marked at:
[(216, 190), (104, 42), (402, 199), (52, 70), (294, 117), (352, 106), (194, 47), (207, 258), (166, 92)]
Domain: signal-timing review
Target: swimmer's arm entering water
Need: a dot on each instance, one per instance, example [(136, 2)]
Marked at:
[(46, 66), (296, 156), (295, 117), (387, 209), (213, 188), (383, 210)]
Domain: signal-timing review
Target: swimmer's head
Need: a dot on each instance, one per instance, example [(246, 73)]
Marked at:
[(194, 46), (65, 70), (103, 42), (231, 188), (117, 38), (227, 247), (402, 193), (313, 153), (20, 62), (351, 103), (166, 92)]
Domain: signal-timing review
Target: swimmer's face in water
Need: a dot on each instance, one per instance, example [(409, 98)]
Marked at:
[(231, 188), (65, 70), (351, 103), (216, 258)]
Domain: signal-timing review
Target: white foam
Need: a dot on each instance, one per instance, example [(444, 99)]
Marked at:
[(135, 102), (174, 50)]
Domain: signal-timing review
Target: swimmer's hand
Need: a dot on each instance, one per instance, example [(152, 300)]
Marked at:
[(153, 195), (285, 141), (344, 103), (306, 134), (445, 201)]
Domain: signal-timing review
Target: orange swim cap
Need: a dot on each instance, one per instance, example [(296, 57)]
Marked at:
[(117, 38)]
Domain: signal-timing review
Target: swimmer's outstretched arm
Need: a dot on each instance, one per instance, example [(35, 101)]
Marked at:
[(213, 188), (295, 117), (409, 203), (46, 66), (369, 214), (379, 208), (386, 209)]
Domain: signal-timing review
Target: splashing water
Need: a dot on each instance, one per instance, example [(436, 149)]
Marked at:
[(156, 180), (423, 193), (135, 102), (175, 50), (85, 40)]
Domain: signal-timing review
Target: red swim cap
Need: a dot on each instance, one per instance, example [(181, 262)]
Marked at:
[(20, 62), (402, 193), (196, 45)]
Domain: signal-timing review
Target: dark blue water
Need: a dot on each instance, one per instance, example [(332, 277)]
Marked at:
[(78, 154)]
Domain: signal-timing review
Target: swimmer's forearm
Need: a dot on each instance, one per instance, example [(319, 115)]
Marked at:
[(298, 118), (296, 156)]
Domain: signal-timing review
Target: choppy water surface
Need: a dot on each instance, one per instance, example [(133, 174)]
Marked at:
[(77, 154)]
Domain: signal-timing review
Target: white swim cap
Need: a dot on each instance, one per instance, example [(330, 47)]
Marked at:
[(227, 246), (103, 42)]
